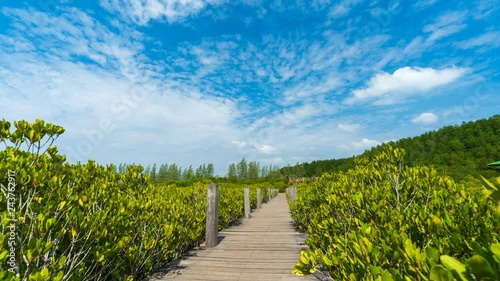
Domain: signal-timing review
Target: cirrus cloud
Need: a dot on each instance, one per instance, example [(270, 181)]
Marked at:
[(141, 12)]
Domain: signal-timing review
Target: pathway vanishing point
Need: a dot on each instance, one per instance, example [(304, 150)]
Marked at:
[(265, 247)]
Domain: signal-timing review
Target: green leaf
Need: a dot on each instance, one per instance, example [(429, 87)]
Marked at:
[(495, 249), (488, 184), (480, 267), (59, 276), (61, 261), (303, 258), (386, 276), (439, 273), (45, 273), (3, 254), (327, 261), (453, 264)]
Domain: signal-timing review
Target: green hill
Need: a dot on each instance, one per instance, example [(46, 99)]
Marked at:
[(457, 151)]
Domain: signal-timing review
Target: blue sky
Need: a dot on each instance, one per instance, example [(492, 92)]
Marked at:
[(213, 81)]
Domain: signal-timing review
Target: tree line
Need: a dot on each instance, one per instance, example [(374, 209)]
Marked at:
[(172, 172), (252, 170), (458, 151), (242, 170)]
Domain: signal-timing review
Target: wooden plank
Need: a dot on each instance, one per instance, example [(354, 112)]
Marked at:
[(264, 248)]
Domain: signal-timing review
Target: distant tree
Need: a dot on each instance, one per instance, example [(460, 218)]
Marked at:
[(173, 173), (231, 173), (152, 174), (253, 170), (199, 172), (274, 172), (242, 169), (113, 168), (204, 173), (264, 171), (188, 173), (210, 170), (457, 151), (162, 172)]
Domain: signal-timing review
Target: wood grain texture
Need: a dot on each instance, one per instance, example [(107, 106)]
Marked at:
[(265, 247)]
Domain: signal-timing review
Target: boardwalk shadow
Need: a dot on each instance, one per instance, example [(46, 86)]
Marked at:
[(220, 238), (169, 271)]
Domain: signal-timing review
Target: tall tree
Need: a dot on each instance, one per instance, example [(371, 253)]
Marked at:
[(253, 170), (264, 171), (188, 173), (231, 172), (210, 170), (172, 172), (204, 171), (242, 169), (153, 172), (199, 172), (162, 172)]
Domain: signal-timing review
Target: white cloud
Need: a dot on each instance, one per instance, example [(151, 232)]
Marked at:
[(310, 88), (343, 8), (488, 39), (339, 10), (422, 4), (216, 98), (261, 148), (386, 88), (447, 24), (486, 8), (425, 118), (111, 111), (141, 12), (349, 127), (365, 143), (446, 20), (266, 149), (241, 144)]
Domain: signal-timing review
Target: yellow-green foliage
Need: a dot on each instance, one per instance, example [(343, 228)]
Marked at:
[(384, 221), (484, 264), (87, 222)]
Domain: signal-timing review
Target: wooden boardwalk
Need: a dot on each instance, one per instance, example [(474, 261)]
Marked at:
[(265, 247)]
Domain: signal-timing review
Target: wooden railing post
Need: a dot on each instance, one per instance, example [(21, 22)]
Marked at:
[(247, 203), (293, 193), (212, 232), (259, 200), (265, 195)]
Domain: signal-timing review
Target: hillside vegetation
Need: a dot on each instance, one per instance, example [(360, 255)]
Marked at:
[(457, 151), (383, 220)]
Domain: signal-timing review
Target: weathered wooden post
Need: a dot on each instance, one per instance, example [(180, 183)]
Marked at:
[(247, 203), (293, 193), (259, 200), (266, 195), (212, 232)]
